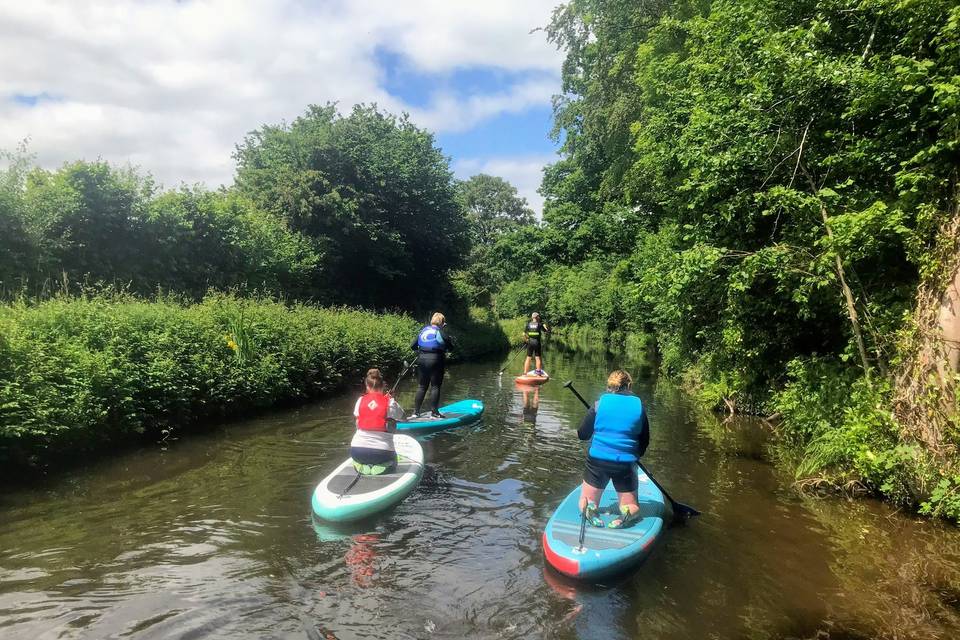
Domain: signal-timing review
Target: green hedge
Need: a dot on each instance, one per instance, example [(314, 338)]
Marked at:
[(77, 374)]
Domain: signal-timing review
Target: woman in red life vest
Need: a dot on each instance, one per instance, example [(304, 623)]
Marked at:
[(377, 414)]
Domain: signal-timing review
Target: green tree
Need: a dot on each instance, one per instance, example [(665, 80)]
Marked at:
[(493, 207), (372, 190), (17, 249)]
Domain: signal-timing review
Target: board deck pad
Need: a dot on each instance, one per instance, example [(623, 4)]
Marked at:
[(366, 484), (602, 539)]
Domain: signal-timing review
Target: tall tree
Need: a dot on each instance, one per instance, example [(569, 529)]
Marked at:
[(374, 192), (493, 207)]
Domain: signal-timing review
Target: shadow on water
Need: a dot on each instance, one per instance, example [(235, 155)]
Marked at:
[(214, 536)]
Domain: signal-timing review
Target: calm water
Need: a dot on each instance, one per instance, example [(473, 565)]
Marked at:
[(213, 538)]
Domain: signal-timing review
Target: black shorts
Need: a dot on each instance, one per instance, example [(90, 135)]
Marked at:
[(599, 472), (363, 455), (533, 348)]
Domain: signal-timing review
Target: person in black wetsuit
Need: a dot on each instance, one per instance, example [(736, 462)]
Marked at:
[(533, 334), (432, 342)]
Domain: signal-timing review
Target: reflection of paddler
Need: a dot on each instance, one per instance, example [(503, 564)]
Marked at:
[(564, 588), (360, 559), (530, 405)]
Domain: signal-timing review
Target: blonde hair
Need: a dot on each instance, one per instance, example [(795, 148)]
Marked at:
[(374, 380), (618, 380), (438, 319)]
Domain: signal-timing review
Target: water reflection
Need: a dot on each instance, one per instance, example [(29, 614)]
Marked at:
[(214, 537), (531, 403)]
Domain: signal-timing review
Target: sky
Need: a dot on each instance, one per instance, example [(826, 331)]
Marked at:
[(171, 87)]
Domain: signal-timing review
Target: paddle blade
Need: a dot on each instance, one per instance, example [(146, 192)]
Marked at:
[(682, 512)]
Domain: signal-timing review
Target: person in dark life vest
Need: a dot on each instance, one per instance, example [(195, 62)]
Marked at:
[(619, 434), (533, 334), (377, 413), (432, 342)]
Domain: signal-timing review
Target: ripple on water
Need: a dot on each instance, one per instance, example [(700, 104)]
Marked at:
[(213, 539)]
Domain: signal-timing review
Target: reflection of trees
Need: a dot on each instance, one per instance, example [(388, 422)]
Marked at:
[(898, 578)]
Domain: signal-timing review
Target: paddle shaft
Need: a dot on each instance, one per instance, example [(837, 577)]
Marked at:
[(350, 486), (678, 508), (404, 373), (511, 361)]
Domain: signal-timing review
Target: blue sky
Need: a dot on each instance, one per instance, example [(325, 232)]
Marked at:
[(172, 87)]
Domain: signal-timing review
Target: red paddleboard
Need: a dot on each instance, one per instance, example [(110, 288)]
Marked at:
[(529, 379)]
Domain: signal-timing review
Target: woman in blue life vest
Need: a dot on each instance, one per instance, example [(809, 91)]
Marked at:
[(432, 342), (617, 427), (377, 413), (533, 335)]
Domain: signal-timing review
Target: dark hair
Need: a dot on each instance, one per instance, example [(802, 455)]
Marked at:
[(374, 380)]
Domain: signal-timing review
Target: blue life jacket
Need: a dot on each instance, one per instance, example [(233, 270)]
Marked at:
[(430, 340), (616, 431)]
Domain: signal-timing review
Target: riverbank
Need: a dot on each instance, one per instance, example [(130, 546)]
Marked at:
[(80, 376)]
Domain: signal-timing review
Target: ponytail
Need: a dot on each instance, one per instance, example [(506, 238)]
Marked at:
[(374, 380)]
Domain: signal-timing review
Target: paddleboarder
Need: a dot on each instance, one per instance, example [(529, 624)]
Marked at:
[(432, 342), (533, 335), (619, 434), (372, 448)]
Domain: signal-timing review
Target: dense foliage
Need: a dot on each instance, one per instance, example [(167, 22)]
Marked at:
[(82, 372), (759, 184), (90, 222), (374, 193), (358, 209)]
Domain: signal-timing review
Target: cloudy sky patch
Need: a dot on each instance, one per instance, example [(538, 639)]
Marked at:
[(172, 87)]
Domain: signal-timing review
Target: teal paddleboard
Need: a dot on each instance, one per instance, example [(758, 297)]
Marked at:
[(454, 415), (605, 552), (343, 496)]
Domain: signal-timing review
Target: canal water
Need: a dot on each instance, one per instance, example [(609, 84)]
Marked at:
[(212, 537)]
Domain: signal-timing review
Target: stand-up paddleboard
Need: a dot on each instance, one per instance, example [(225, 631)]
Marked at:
[(531, 378), (454, 415), (605, 552), (342, 496)]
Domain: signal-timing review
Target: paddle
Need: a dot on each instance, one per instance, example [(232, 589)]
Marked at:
[(406, 369), (680, 510), (511, 360)]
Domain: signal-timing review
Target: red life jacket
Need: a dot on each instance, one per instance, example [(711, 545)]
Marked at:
[(373, 412)]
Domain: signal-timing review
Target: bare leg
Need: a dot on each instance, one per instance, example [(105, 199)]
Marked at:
[(589, 494), (526, 365), (629, 500), (539, 363)]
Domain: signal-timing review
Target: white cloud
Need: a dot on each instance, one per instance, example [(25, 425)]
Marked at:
[(523, 172), (173, 87)]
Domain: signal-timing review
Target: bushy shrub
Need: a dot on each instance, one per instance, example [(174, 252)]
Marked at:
[(78, 373), (839, 426)]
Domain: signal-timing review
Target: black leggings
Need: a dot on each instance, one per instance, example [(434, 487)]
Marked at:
[(430, 368)]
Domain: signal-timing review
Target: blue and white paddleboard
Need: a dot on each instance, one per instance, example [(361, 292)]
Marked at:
[(454, 415), (335, 500), (605, 552)]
